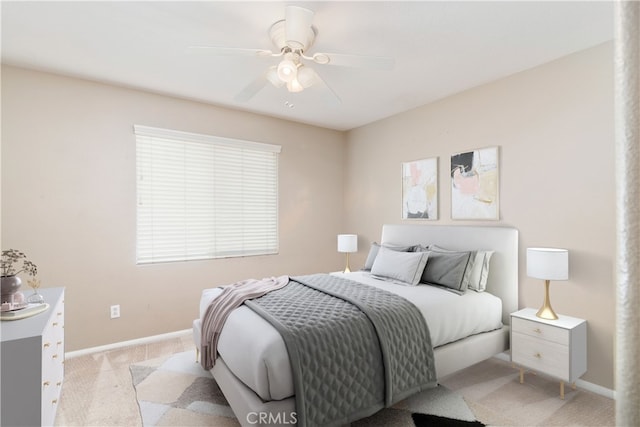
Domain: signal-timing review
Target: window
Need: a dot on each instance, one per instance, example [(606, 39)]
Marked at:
[(202, 197)]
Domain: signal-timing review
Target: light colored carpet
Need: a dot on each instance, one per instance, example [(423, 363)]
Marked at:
[(497, 398), (175, 390)]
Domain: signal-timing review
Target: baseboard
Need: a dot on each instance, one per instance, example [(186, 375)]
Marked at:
[(138, 341), (597, 389), (594, 388)]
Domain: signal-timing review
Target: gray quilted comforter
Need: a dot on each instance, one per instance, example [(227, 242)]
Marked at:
[(354, 349)]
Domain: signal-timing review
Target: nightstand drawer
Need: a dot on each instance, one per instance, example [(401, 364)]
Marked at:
[(544, 356), (540, 330)]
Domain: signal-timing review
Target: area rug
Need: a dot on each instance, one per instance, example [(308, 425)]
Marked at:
[(176, 391)]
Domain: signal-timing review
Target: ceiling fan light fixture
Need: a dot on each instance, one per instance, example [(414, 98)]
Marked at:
[(294, 86), (287, 70)]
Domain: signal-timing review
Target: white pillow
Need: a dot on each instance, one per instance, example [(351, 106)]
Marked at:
[(405, 267), (373, 252), (480, 271)]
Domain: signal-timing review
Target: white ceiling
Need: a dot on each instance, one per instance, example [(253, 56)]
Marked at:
[(439, 48)]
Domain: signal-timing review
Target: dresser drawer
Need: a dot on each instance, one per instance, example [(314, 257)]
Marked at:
[(540, 330), (544, 356), (52, 363)]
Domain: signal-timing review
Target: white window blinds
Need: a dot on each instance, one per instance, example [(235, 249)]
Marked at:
[(203, 197)]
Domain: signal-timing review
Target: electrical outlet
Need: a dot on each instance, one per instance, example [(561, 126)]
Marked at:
[(115, 311)]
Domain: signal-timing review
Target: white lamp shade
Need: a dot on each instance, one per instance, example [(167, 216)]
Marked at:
[(548, 263), (347, 243)]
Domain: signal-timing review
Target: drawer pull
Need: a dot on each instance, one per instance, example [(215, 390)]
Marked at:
[(59, 343), (538, 355), (59, 313), (46, 345), (55, 323), (59, 383), (55, 356), (54, 401), (46, 383), (537, 330)]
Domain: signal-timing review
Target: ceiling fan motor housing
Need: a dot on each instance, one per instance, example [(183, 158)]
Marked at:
[(279, 37)]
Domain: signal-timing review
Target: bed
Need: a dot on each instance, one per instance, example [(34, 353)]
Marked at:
[(253, 369)]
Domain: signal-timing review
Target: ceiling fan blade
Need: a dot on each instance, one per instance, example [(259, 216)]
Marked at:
[(298, 22), (329, 97), (344, 60), (251, 89), (229, 51)]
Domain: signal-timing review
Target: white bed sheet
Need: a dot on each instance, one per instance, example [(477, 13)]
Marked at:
[(258, 356)]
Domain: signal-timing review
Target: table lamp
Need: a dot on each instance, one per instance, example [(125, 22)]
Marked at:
[(547, 264), (347, 243)]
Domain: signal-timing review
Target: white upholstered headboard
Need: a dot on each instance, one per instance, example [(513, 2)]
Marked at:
[(503, 271)]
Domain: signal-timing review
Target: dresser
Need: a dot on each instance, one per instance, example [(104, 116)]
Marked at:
[(557, 348), (32, 364)]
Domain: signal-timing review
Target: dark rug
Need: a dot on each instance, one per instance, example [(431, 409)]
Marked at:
[(429, 420)]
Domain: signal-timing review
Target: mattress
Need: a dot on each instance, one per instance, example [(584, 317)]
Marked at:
[(258, 356)]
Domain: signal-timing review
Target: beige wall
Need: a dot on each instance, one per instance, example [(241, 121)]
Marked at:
[(68, 201), (554, 126)]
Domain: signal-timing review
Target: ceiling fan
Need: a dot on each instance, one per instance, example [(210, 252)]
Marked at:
[(293, 37)]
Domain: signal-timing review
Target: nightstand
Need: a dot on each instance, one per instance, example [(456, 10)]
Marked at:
[(557, 348)]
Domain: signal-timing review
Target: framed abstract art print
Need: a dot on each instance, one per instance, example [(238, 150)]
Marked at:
[(474, 184), (420, 189)]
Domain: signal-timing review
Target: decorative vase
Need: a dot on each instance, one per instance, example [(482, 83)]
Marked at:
[(35, 298), (10, 285)]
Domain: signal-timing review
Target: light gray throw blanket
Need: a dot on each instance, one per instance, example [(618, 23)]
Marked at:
[(354, 349), (232, 297)]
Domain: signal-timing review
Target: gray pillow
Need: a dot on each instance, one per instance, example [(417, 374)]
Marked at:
[(477, 272), (373, 252), (466, 278), (405, 267), (447, 269)]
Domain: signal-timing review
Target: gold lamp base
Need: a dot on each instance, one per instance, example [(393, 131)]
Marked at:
[(546, 312), (347, 269)]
